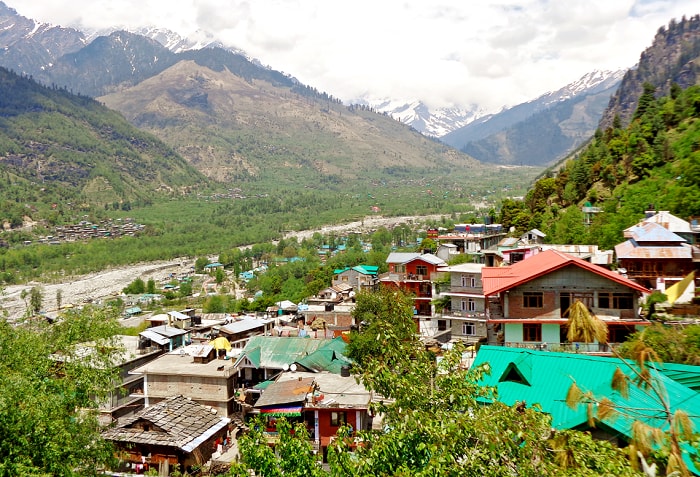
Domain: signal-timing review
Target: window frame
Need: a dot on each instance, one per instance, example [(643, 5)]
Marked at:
[(533, 300), (338, 418), (532, 330), (465, 328)]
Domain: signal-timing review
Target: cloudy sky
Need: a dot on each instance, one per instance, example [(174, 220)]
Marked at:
[(445, 52)]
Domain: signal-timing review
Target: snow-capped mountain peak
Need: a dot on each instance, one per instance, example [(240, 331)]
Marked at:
[(597, 80), (418, 115)]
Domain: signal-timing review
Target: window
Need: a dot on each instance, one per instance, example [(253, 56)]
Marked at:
[(532, 299), (468, 329), (616, 301), (442, 325), (471, 304), (532, 332), (468, 281), (421, 270), (338, 418), (516, 257), (345, 278)]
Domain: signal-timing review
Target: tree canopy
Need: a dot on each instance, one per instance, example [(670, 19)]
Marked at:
[(49, 392), (437, 419)]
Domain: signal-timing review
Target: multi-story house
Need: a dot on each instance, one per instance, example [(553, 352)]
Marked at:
[(528, 302), (473, 238), (653, 254), (413, 273), (465, 316), (194, 372), (361, 277)]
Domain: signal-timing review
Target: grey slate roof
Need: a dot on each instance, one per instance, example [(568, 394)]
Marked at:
[(174, 422)]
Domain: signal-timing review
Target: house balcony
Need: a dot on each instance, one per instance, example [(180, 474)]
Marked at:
[(464, 315), (406, 277), (464, 291)]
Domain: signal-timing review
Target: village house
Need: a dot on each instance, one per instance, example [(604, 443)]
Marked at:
[(266, 356), (329, 318), (333, 295), (360, 277), (472, 239), (166, 337), (527, 303), (413, 273), (176, 431), (465, 317), (239, 329), (322, 401), (653, 254), (127, 396), (197, 372), (689, 230)]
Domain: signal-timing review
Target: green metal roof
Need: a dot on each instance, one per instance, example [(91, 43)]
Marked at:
[(276, 351), (364, 269), (328, 357), (685, 374), (544, 378)]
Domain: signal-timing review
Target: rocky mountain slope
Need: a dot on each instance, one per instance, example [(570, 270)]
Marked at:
[(674, 57), (236, 129), (234, 119), (541, 131)]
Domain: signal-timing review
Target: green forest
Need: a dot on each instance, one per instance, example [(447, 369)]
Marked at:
[(653, 163)]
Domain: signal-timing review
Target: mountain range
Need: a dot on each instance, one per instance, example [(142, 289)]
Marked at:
[(96, 63), (129, 71)]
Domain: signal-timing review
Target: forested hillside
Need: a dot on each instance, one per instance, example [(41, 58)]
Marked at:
[(654, 162), (59, 151)]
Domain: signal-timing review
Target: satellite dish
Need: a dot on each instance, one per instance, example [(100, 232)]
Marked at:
[(285, 367), (293, 367)]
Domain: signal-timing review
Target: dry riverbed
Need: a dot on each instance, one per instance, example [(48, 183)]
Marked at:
[(106, 283)]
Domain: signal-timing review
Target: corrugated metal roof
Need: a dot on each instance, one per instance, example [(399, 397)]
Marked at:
[(552, 374), (668, 221), (276, 351), (463, 268), (633, 249), (328, 357), (498, 279), (401, 257), (285, 392), (685, 374), (245, 324), (153, 336), (169, 331), (178, 315), (652, 232), (429, 258)]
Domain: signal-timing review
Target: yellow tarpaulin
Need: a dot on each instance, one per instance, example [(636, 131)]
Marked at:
[(675, 291), (221, 343)]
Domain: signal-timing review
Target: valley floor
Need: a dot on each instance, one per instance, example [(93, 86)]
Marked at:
[(108, 283)]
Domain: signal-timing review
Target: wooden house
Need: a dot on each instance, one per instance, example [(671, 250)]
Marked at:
[(175, 431)]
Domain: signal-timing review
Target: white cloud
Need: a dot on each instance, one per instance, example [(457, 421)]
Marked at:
[(445, 52)]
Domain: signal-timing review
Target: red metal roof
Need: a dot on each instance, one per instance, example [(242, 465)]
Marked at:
[(498, 279)]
